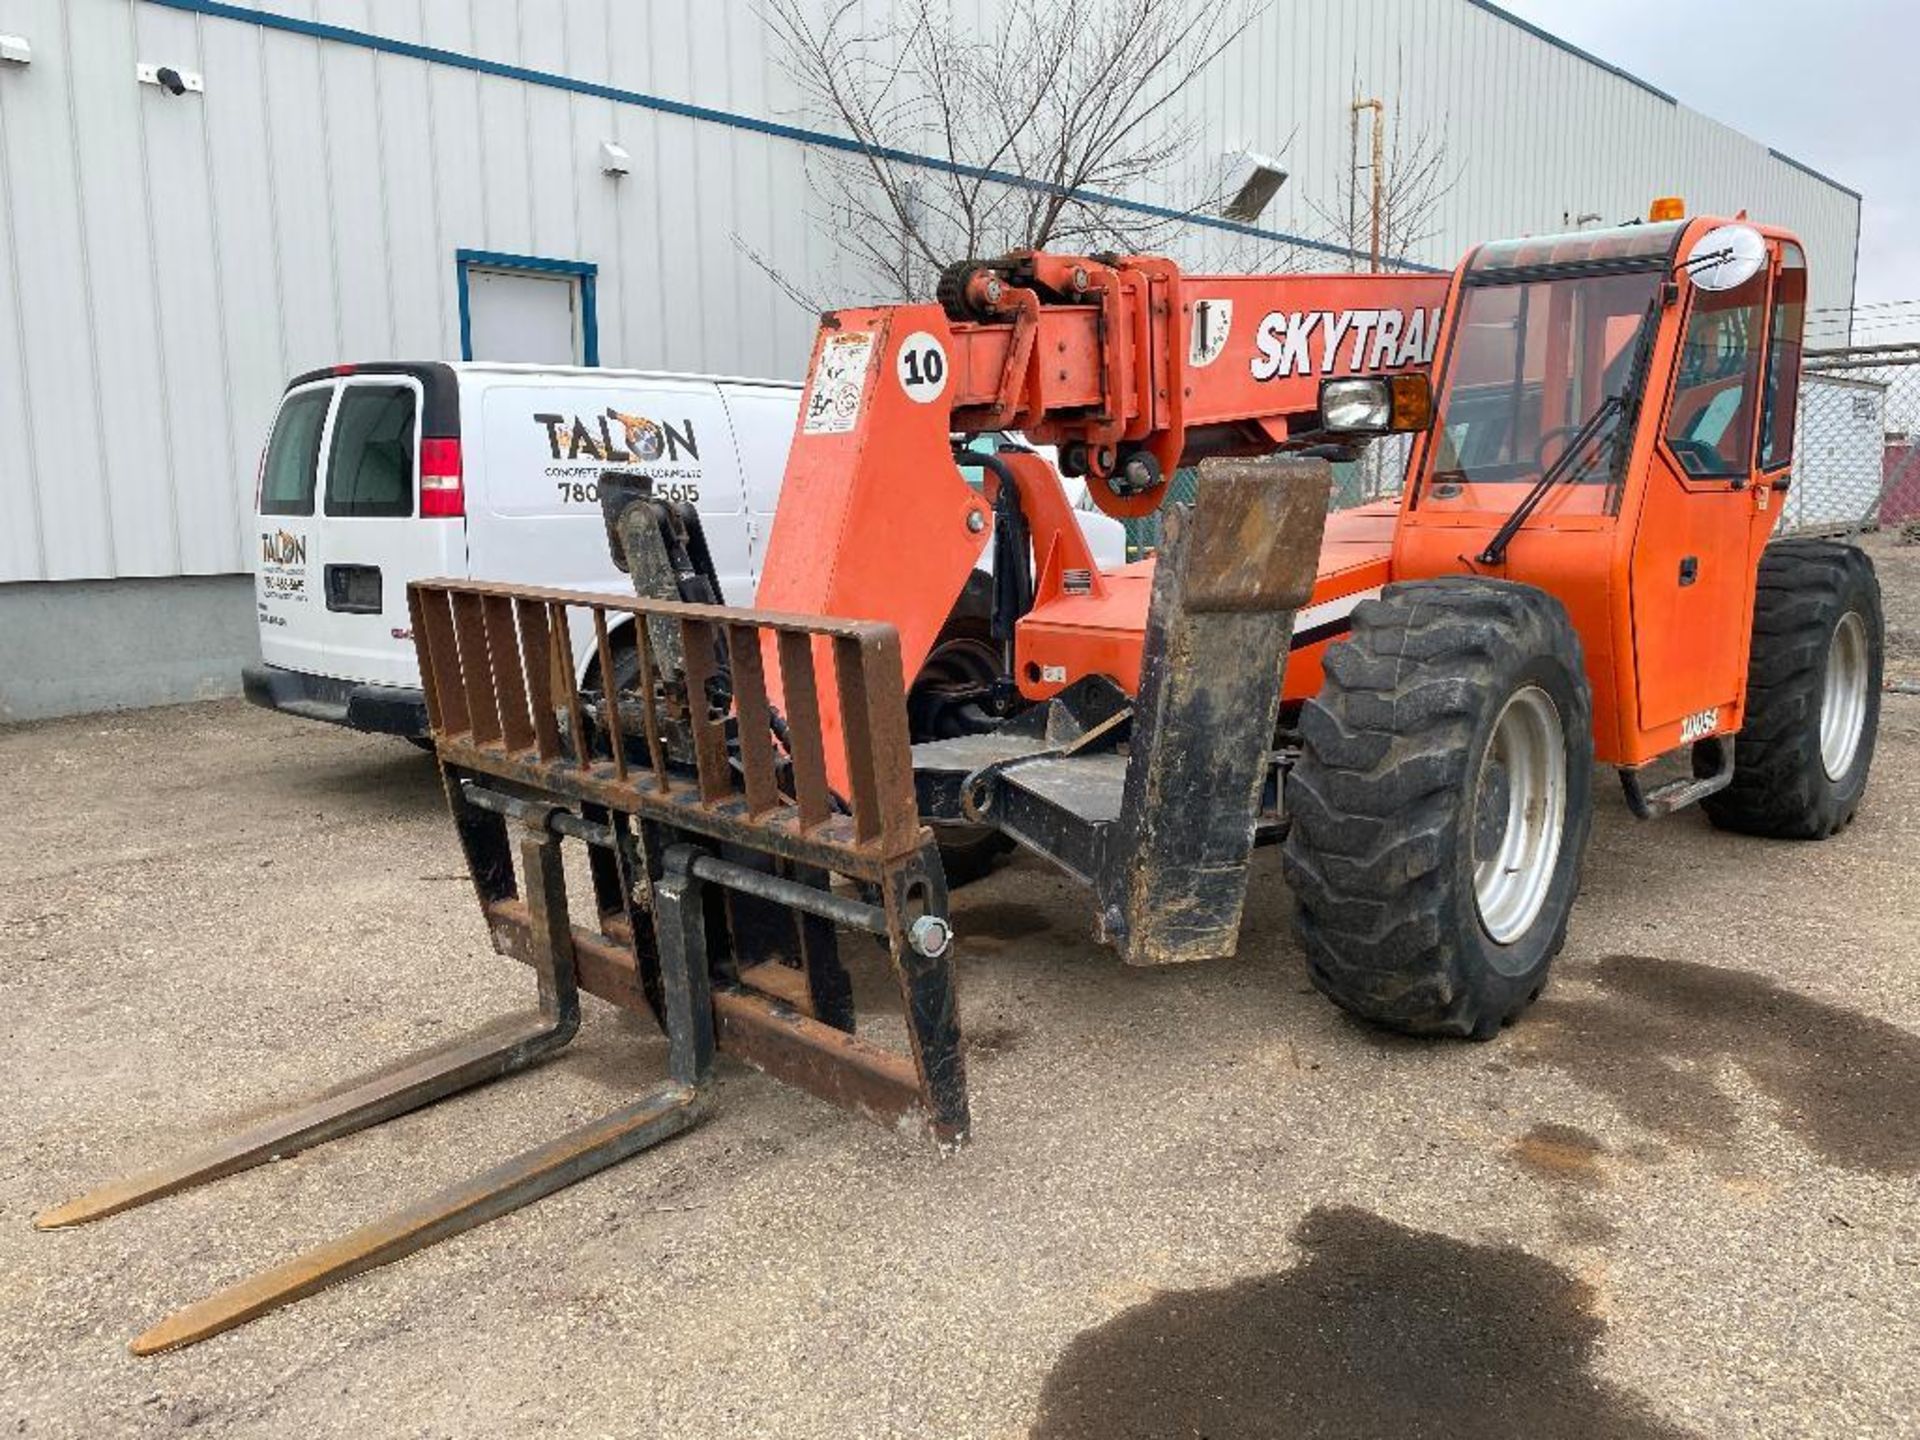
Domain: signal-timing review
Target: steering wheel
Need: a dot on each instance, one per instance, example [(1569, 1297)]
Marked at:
[(1540, 450)]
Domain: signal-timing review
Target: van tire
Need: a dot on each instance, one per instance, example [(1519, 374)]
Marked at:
[(625, 653)]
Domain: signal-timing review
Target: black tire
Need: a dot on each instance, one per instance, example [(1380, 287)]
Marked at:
[(964, 654), (624, 650), (1392, 795), (1781, 787)]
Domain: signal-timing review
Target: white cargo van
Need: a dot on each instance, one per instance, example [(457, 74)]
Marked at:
[(378, 474)]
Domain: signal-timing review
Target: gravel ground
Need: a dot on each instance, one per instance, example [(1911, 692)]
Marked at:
[(1899, 567), (1678, 1199)]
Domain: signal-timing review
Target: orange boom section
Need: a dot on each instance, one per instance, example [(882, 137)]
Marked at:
[(1131, 368)]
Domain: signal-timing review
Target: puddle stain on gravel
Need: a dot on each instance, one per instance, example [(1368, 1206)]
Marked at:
[(1561, 1152), (1657, 1037), (1568, 1159), (1379, 1330)]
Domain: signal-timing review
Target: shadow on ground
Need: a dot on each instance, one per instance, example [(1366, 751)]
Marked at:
[(1659, 1035), (1379, 1331)]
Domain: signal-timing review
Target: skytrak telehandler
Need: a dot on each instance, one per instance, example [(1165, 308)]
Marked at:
[(1410, 697)]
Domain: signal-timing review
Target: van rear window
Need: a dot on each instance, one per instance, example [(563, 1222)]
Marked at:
[(371, 469), (293, 455)]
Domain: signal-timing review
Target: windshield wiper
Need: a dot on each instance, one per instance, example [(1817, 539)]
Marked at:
[(1496, 550)]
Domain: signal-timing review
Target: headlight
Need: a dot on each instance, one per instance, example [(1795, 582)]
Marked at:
[(1375, 404), (1355, 405)]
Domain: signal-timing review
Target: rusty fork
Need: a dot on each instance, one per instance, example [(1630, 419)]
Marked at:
[(696, 826), (484, 1056)]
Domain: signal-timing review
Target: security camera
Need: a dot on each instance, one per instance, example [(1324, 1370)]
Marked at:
[(170, 80)]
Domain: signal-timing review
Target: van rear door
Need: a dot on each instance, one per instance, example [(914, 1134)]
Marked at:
[(362, 537), (285, 586)]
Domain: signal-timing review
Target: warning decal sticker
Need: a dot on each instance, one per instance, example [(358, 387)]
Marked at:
[(838, 385)]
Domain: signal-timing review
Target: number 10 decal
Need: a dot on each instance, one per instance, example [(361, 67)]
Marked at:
[(922, 367)]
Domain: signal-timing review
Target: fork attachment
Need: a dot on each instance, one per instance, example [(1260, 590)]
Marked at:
[(713, 843), (1162, 831)]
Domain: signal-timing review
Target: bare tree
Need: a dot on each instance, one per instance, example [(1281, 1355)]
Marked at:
[(1075, 99), (1388, 200)]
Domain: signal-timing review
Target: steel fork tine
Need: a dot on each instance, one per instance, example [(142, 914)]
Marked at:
[(408, 1086), (487, 1055), (655, 1116)]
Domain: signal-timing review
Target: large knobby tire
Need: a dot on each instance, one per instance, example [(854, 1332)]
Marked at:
[(1801, 758), (1440, 805)]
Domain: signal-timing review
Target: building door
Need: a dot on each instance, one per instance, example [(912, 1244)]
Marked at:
[(527, 310)]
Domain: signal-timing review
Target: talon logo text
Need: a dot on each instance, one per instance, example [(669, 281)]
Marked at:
[(582, 449), (641, 440), (283, 572), (281, 548)]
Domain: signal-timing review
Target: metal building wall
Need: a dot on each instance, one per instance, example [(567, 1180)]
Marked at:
[(169, 261), (1535, 131)]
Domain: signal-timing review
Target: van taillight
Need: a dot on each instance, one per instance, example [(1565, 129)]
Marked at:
[(441, 493)]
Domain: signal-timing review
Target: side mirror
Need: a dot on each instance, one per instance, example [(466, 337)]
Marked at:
[(1376, 404)]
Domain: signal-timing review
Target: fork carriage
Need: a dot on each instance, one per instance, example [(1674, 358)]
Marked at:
[(713, 898)]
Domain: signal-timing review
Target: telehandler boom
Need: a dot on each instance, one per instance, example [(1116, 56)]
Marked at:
[(1410, 697)]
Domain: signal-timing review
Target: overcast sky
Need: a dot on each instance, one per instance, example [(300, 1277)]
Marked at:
[(1833, 83)]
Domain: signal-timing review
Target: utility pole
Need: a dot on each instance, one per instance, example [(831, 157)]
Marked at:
[(1375, 168)]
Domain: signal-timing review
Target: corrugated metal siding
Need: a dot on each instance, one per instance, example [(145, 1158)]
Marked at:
[(168, 262)]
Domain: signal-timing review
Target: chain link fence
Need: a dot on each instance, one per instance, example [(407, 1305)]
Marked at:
[(1856, 452)]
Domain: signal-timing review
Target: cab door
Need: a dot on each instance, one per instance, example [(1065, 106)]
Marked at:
[(1693, 558)]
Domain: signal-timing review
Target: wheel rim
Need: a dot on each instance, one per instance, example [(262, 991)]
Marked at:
[(1520, 808), (1843, 704)]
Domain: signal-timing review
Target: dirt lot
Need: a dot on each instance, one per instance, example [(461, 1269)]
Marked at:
[(1899, 567), (1679, 1199)]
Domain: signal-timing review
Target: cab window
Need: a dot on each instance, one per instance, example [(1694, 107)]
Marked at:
[(293, 454), (370, 472), (1538, 368), (1710, 424), (1783, 359)]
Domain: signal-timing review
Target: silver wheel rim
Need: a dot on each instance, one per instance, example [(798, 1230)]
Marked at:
[(1843, 704), (1517, 833)]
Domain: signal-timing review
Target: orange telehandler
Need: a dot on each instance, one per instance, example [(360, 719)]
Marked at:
[(1409, 697)]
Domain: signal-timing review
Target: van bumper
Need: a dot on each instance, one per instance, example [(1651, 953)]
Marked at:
[(377, 709)]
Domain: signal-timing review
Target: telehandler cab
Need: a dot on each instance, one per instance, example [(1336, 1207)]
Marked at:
[(1409, 697)]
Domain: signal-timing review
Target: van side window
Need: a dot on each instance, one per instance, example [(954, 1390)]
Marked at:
[(293, 455), (1783, 358), (371, 470)]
